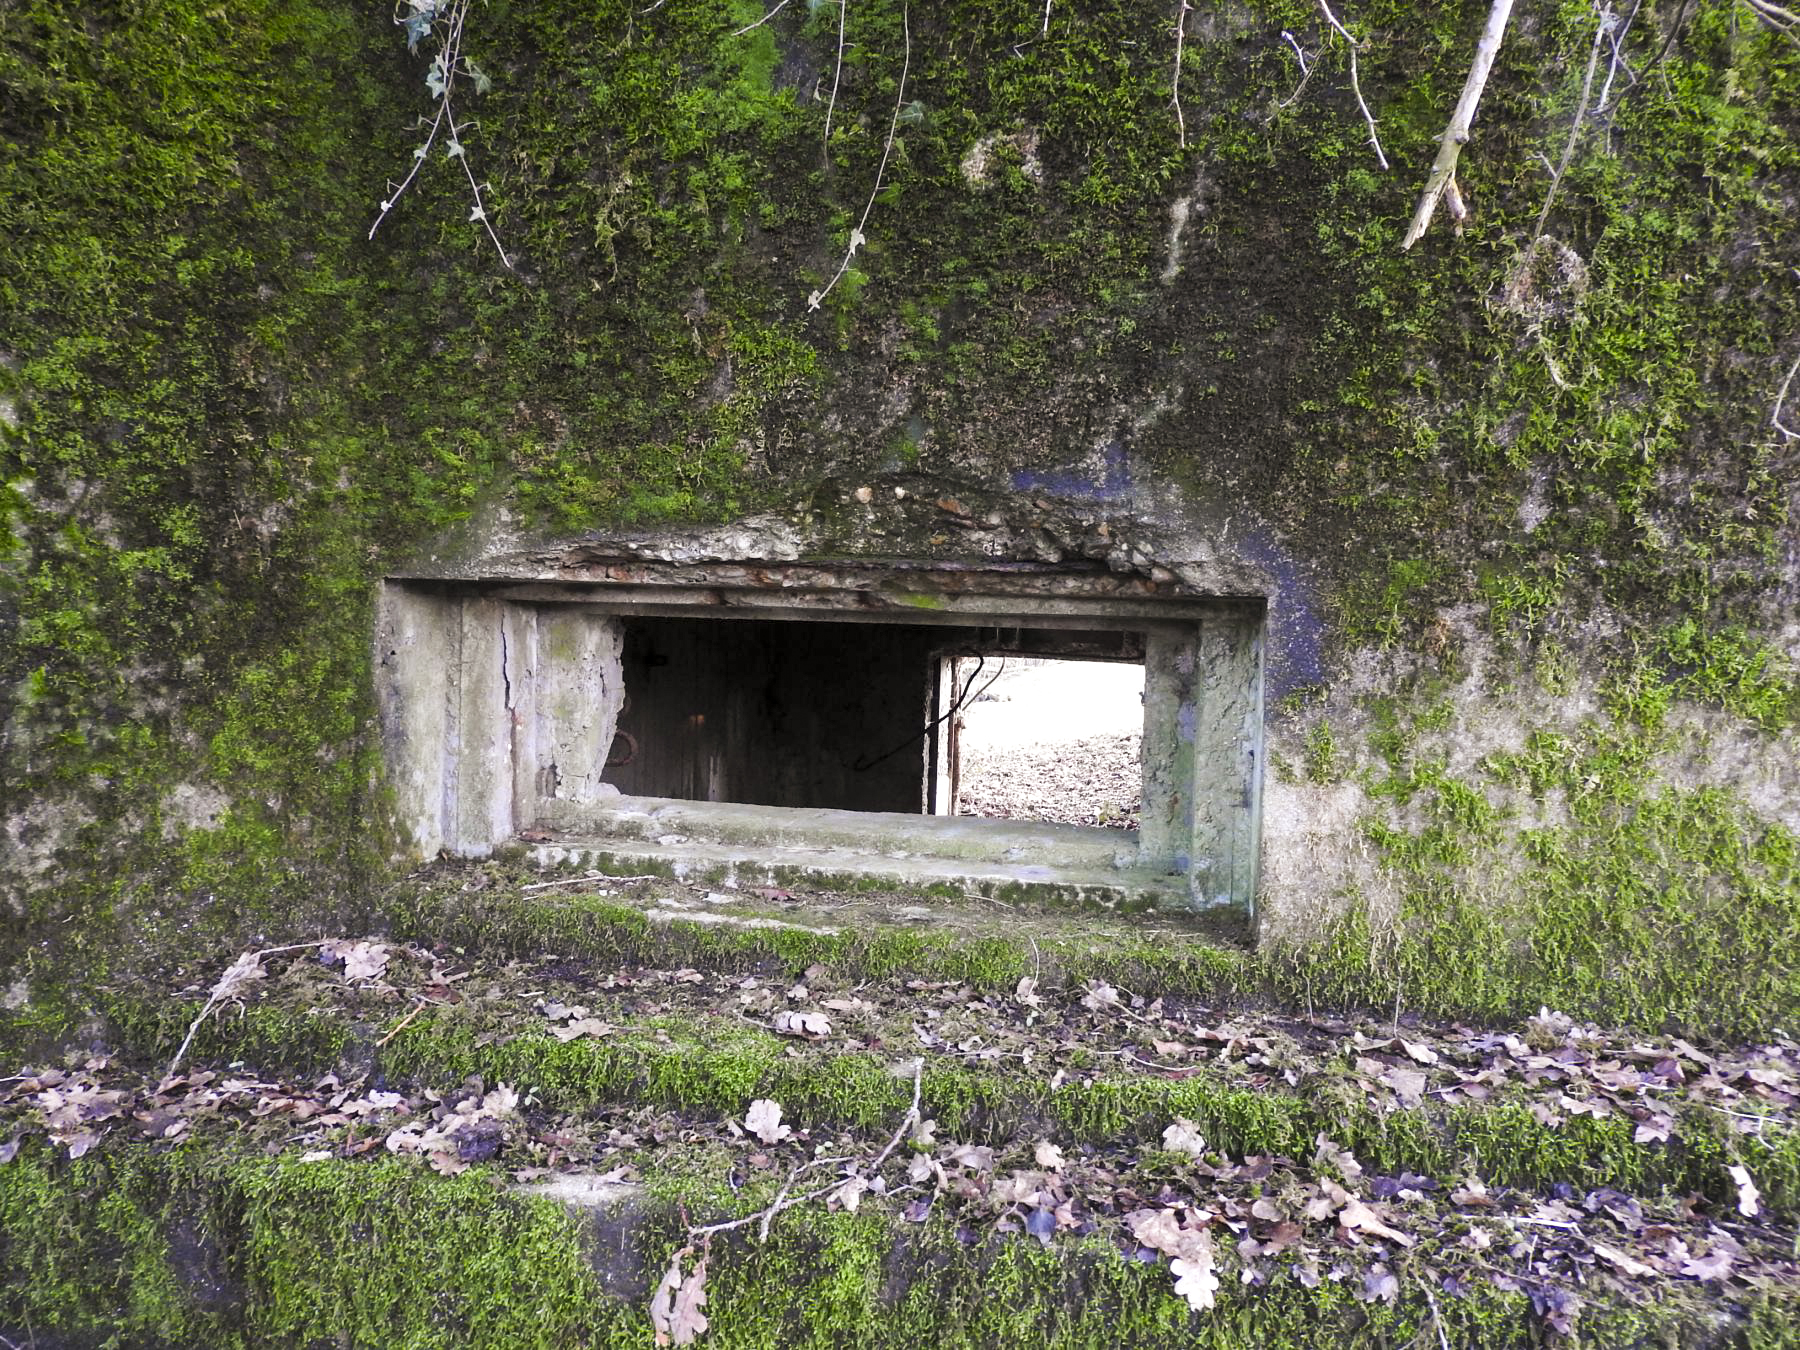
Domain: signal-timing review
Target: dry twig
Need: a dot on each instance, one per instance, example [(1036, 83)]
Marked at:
[(591, 876), (404, 1023), (752, 27), (1587, 85), (1441, 181), (238, 974), (1182, 10), (1355, 84), (786, 1201)]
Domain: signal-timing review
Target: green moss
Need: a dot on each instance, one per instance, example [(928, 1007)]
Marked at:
[(186, 1248), (257, 1251), (1059, 949)]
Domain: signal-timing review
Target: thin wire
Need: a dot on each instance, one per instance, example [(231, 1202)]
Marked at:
[(858, 766)]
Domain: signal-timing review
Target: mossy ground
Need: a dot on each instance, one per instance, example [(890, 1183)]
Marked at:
[(999, 1067)]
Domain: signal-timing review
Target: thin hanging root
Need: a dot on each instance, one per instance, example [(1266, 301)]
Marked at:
[(1782, 20), (1456, 135), (1356, 84), (837, 76), (1787, 432), (1587, 86), (1183, 9), (857, 238)]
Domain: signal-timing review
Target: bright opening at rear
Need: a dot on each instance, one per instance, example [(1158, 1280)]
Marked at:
[(1043, 739)]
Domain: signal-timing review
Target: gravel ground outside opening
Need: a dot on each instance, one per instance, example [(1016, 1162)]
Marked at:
[(1056, 740)]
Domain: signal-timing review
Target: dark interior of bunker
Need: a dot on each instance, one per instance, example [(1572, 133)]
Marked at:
[(808, 714)]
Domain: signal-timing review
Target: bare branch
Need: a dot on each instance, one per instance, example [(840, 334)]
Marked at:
[(1617, 33), (1047, 4), (837, 75), (784, 1200), (857, 238), (1775, 421), (1306, 74), (752, 27), (1456, 135), (1183, 9), (1355, 84), (1587, 85), (1783, 21)]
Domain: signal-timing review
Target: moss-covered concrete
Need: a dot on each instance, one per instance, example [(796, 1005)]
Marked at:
[(1520, 497), (180, 1247)]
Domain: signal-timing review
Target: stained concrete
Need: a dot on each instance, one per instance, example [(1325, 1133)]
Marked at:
[(690, 860), (489, 708)]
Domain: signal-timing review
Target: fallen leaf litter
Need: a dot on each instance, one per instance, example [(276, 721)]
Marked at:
[(1209, 1216)]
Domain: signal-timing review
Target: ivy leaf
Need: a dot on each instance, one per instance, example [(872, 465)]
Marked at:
[(454, 149), (477, 213), (482, 82), (418, 24)]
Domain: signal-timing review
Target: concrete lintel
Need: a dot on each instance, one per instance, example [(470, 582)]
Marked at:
[(859, 606)]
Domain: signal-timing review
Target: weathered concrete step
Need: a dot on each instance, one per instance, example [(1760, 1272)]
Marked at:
[(737, 922), (898, 835), (191, 1246), (1099, 888)]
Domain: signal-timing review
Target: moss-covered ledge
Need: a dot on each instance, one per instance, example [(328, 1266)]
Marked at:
[(160, 1247)]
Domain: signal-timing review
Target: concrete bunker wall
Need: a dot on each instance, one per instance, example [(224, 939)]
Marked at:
[(502, 698)]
